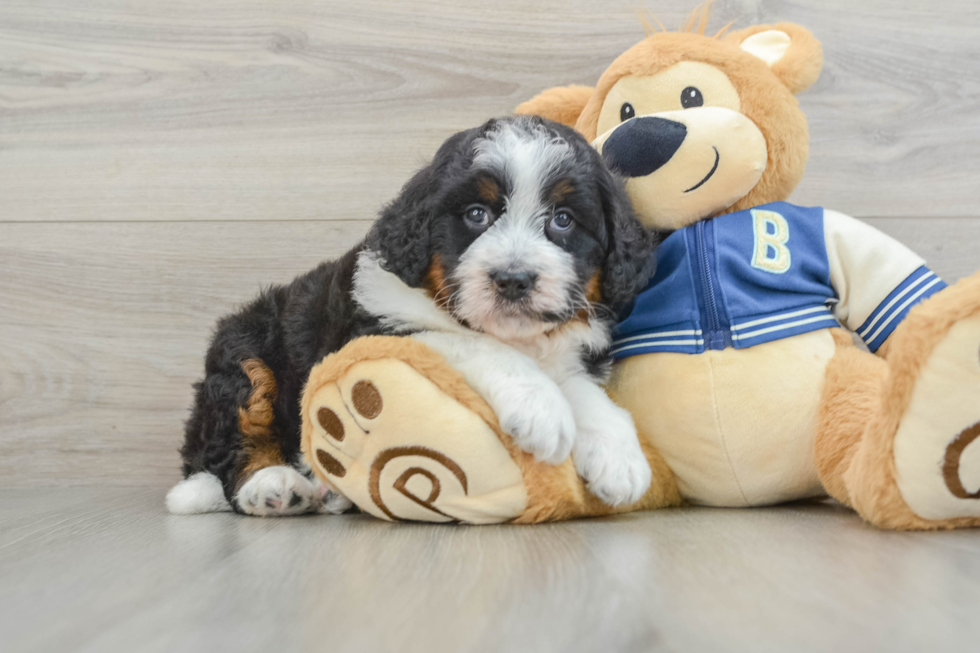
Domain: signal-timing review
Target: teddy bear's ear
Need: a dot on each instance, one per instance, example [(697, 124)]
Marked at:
[(562, 104), (790, 51)]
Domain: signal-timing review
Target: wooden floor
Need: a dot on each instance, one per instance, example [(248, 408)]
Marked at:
[(106, 570), (160, 161)]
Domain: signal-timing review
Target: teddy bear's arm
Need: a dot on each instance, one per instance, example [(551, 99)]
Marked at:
[(877, 279), (562, 104)]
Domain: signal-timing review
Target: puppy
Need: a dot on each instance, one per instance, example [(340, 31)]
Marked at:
[(510, 254)]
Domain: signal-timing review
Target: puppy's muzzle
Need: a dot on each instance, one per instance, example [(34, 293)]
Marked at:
[(513, 285), (641, 146)]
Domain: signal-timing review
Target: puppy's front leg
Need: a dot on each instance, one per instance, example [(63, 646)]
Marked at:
[(607, 452), (529, 404)]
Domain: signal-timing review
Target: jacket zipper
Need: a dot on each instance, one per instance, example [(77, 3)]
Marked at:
[(716, 333)]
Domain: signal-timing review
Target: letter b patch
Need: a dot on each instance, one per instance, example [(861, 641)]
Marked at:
[(771, 235)]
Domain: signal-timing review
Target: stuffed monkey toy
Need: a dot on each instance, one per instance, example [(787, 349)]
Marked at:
[(740, 361)]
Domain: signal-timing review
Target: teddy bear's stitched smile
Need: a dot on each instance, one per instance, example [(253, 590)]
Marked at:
[(710, 174)]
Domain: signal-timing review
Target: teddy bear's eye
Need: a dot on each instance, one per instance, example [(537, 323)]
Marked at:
[(626, 112), (691, 97)]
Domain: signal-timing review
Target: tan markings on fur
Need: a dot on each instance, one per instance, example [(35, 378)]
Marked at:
[(562, 190), (386, 456), (554, 492), (331, 423), (593, 294), (367, 399), (255, 420), (435, 283), (488, 190), (951, 463), (330, 464), (592, 291)]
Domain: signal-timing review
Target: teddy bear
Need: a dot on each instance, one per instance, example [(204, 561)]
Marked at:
[(779, 352)]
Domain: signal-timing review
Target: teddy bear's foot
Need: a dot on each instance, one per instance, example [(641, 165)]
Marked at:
[(937, 445), (917, 464), (393, 442)]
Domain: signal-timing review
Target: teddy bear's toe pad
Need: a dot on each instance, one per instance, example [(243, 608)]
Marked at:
[(937, 446), (401, 449)]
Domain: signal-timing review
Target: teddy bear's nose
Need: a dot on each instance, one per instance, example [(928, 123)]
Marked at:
[(642, 145)]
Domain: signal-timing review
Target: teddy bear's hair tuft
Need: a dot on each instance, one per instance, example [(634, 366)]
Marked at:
[(696, 23)]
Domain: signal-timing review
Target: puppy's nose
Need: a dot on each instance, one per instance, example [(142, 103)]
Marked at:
[(642, 145), (513, 285)]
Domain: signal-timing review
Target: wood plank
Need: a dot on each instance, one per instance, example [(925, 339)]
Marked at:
[(104, 327), (114, 110), (120, 575)]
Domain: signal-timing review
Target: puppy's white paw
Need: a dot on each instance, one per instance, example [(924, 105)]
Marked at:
[(539, 419), (612, 462), (278, 491), (620, 479)]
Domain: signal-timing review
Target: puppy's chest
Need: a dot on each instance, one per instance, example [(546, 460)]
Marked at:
[(558, 358)]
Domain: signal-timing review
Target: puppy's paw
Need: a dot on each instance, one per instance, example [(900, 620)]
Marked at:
[(612, 463), (619, 479), (278, 491), (539, 419), (330, 501)]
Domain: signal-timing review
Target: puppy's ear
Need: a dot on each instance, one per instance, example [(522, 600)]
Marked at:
[(629, 256), (402, 233)]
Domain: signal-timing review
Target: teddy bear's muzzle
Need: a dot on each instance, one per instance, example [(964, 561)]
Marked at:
[(643, 145)]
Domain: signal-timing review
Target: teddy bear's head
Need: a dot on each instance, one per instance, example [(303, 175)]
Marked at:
[(699, 125)]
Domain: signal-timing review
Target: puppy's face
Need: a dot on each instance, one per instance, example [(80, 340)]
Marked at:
[(525, 230), (521, 236)]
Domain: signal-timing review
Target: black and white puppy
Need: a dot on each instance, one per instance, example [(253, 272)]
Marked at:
[(511, 259), (510, 254)]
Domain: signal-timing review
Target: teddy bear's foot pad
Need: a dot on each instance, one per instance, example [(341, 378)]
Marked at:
[(400, 448), (937, 446)]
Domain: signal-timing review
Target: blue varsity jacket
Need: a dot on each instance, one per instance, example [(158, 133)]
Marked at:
[(771, 272)]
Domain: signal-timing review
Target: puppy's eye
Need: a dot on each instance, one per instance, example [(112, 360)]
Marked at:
[(691, 97), (477, 217), (561, 221), (626, 112)]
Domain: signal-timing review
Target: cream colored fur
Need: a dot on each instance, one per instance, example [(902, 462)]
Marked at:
[(735, 426)]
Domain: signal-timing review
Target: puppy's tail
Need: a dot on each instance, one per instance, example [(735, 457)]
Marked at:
[(200, 492)]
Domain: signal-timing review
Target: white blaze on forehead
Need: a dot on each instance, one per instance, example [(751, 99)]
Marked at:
[(527, 155)]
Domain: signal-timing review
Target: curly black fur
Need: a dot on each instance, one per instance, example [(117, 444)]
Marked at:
[(289, 328)]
